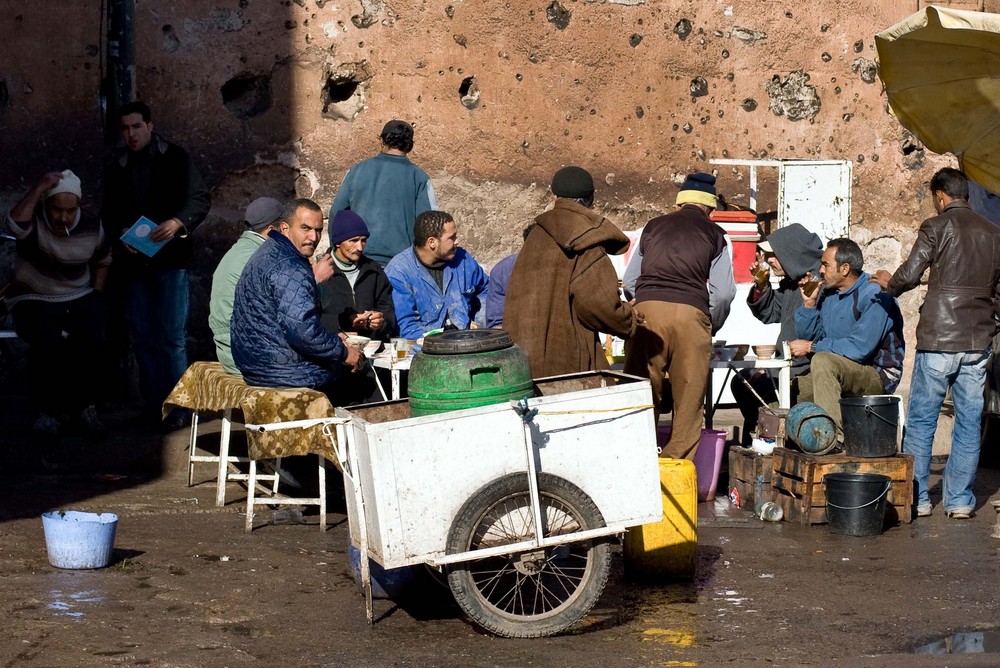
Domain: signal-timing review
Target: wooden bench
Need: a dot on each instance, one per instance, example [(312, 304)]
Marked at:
[(207, 388)]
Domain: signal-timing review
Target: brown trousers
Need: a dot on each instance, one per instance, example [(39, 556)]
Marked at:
[(831, 377), (675, 340)]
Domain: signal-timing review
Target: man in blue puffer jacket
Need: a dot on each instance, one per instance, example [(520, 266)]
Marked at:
[(277, 337)]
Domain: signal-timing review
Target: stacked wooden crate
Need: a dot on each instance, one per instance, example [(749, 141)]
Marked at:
[(797, 483)]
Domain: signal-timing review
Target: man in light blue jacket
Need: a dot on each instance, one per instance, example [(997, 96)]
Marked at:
[(435, 283), (851, 331)]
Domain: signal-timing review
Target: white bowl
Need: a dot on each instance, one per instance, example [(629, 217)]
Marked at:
[(355, 341)]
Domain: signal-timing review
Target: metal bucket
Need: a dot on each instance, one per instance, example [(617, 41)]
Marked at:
[(76, 539), (811, 428)]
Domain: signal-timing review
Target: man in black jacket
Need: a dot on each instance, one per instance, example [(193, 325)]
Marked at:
[(356, 298), (152, 177), (958, 320)]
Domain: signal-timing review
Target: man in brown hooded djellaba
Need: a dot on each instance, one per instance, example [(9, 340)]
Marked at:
[(563, 291)]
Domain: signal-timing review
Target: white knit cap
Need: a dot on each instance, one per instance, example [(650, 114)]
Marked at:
[(69, 183)]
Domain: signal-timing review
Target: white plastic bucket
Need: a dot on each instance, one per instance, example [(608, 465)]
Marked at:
[(75, 539)]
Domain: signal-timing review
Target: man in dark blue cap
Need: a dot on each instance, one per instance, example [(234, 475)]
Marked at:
[(684, 289)]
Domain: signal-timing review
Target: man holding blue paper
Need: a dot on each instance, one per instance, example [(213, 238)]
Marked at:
[(152, 177)]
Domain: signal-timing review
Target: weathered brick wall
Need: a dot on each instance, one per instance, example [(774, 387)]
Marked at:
[(276, 97)]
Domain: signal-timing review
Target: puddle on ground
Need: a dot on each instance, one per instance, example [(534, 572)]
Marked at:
[(66, 603), (977, 642)]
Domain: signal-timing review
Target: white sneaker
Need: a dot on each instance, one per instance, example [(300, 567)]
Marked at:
[(46, 424), (924, 510)]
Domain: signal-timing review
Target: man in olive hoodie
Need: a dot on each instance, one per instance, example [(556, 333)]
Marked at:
[(563, 290)]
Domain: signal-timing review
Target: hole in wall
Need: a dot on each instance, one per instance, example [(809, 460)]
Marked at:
[(343, 89), (468, 92), (247, 95), (340, 91)]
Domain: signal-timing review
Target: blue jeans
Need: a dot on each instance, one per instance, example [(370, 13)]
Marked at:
[(157, 315), (933, 374)]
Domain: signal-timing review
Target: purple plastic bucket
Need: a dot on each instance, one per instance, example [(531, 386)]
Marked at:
[(707, 459)]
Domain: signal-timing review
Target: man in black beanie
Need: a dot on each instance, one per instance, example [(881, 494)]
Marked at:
[(563, 290), (685, 287)]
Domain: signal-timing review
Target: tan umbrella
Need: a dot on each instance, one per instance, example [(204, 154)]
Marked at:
[(941, 69)]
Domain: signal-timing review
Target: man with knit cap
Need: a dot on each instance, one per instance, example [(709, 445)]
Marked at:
[(684, 288), (389, 192), (262, 216), (60, 268), (356, 298), (563, 290)]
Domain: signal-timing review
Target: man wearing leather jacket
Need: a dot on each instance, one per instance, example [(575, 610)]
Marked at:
[(957, 322)]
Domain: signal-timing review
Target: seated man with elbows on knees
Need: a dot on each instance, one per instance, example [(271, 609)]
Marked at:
[(435, 283), (852, 332)]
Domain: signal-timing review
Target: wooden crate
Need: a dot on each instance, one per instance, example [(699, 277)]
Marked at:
[(798, 487), (745, 466)]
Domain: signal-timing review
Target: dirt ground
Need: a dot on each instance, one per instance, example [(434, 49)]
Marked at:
[(188, 588)]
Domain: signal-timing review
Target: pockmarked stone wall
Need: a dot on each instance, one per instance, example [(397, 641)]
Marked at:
[(273, 98)]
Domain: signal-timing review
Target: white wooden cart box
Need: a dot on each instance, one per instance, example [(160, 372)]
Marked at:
[(593, 429)]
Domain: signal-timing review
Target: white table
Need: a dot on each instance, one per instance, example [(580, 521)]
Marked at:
[(784, 367), (395, 367)]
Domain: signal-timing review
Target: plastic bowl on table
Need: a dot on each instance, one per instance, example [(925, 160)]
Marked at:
[(725, 353), (356, 341), (763, 352)]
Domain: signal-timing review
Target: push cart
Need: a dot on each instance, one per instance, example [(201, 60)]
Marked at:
[(464, 491)]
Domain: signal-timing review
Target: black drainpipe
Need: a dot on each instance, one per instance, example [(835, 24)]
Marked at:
[(119, 79)]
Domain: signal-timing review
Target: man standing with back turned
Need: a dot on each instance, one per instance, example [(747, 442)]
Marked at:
[(563, 290), (685, 289), (957, 322), (388, 192)]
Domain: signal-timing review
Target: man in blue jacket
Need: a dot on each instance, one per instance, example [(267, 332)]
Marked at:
[(388, 192), (277, 337), (435, 283), (851, 329)]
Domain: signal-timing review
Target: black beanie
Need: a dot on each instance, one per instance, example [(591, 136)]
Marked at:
[(572, 182)]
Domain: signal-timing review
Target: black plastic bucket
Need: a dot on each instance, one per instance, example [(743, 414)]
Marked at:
[(870, 425), (855, 503)]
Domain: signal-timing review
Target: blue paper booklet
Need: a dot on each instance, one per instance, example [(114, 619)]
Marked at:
[(137, 237)]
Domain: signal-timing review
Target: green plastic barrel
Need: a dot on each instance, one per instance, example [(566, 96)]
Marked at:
[(466, 369)]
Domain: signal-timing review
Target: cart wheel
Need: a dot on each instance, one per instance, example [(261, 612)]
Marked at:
[(531, 594)]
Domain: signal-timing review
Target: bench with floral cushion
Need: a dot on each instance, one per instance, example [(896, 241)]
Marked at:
[(208, 388)]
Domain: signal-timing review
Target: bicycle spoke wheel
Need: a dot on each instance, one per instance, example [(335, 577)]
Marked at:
[(534, 593)]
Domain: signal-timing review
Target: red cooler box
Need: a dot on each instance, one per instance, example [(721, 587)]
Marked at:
[(741, 227)]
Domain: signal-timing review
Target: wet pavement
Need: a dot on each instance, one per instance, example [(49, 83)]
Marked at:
[(187, 586)]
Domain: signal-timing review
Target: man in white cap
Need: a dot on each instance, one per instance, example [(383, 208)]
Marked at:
[(59, 272), (685, 288), (262, 216)]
